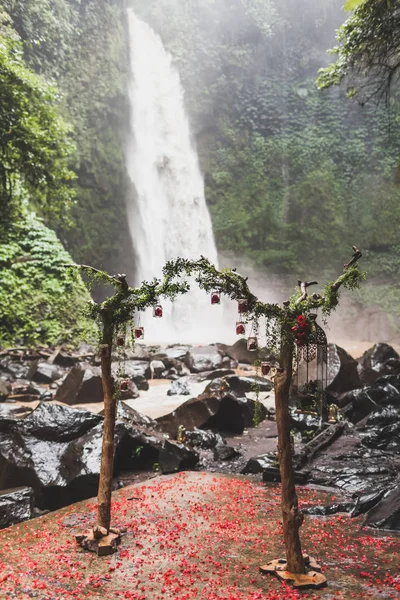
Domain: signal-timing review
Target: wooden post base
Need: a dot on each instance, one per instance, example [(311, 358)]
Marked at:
[(102, 546), (313, 578)]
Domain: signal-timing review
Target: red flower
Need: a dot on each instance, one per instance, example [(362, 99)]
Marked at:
[(301, 320)]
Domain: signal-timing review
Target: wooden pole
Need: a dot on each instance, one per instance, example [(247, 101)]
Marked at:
[(292, 517), (110, 409)]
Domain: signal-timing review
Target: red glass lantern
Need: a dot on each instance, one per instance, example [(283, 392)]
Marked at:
[(120, 340), (104, 350), (158, 311), (139, 333), (240, 328), (252, 344), (215, 298), (265, 368), (243, 305), (124, 385)]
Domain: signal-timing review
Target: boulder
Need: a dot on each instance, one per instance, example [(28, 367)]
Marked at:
[(301, 421), (204, 439), (174, 367), (217, 374), (203, 358), (386, 513), (176, 457), (361, 402), (238, 352), (155, 369), (223, 452), (180, 387), (68, 390), (13, 369), (44, 372), (16, 505), (218, 408), (257, 464), (175, 352), (5, 389), (377, 358), (325, 511), (342, 372), (57, 423), (136, 370), (91, 389), (131, 392), (133, 418), (243, 385)]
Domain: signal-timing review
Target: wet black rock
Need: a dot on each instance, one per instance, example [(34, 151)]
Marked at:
[(133, 418), (180, 387), (16, 505), (203, 358), (383, 438), (381, 358), (258, 464), (386, 513), (324, 511), (361, 402), (243, 385), (223, 452), (57, 423), (301, 421), (342, 372), (364, 502), (204, 439), (44, 372), (176, 457), (218, 408)]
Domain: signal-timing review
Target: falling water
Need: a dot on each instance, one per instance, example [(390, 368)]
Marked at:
[(168, 216)]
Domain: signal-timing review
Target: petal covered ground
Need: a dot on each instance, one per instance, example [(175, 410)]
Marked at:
[(193, 536)]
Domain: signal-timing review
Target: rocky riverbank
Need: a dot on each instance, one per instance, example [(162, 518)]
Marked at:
[(51, 425)]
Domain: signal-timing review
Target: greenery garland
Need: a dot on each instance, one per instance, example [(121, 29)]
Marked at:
[(281, 320)]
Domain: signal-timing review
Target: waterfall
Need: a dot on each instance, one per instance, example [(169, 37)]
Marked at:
[(168, 215)]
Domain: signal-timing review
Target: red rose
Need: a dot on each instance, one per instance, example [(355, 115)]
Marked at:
[(301, 320)]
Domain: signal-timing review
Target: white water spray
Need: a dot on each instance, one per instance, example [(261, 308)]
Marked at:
[(168, 217)]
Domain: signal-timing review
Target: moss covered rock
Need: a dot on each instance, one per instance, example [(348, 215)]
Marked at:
[(40, 300)]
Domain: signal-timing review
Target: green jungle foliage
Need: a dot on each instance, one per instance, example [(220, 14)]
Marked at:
[(293, 174), (368, 50), (40, 300), (82, 46), (35, 144)]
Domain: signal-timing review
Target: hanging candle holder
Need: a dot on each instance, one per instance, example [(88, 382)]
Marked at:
[(240, 328), (265, 368), (252, 344), (157, 311), (124, 385), (139, 333), (215, 298), (121, 340), (104, 350), (243, 306)]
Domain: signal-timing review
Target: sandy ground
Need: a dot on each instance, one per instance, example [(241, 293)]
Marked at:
[(193, 535)]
